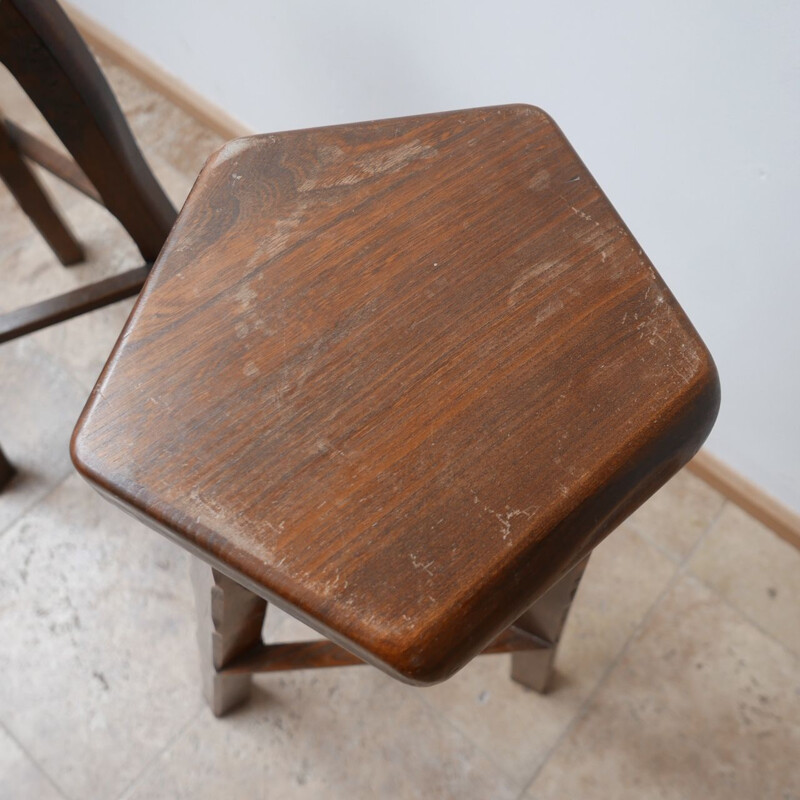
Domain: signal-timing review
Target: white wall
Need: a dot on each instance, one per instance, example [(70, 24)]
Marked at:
[(687, 112)]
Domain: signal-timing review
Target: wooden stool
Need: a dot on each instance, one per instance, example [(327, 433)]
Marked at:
[(398, 378)]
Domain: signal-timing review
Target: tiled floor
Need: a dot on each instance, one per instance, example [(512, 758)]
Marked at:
[(678, 677)]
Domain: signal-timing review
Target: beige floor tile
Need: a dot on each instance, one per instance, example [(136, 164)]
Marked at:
[(39, 403), (20, 778), (342, 733), (676, 516), (164, 130), (97, 659), (755, 571), (518, 727), (129, 90), (703, 705), (281, 627), (84, 343)]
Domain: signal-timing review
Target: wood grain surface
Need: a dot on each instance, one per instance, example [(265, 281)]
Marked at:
[(398, 377)]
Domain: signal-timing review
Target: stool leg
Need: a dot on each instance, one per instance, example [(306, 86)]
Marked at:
[(545, 618), (6, 469), (27, 191), (229, 622)]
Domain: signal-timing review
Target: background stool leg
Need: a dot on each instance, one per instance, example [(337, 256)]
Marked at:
[(27, 191), (229, 622), (545, 618), (6, 469)]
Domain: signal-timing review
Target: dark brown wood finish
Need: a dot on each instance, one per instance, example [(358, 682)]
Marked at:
[(33, 200), (399, 377)]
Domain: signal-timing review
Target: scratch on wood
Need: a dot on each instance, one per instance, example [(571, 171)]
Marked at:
[(417, 563), (524, 277)]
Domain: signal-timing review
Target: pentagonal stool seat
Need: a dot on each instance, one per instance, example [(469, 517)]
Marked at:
[(398, 377)]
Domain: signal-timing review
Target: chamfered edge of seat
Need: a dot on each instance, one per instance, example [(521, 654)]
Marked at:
[(429, 656), (634, 474), (234, 147)]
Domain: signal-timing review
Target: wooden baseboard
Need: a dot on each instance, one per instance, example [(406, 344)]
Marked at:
[(107, 44), (756, 502), (749, 497)]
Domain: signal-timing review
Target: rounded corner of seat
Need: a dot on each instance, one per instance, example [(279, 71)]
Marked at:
[(230, 150)]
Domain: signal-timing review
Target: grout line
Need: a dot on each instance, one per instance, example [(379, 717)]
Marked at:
[(743, 614), (729, 603), (151, 762), (681, 568), (4, 727), (660, 549)]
